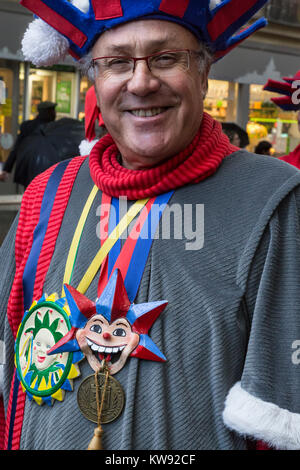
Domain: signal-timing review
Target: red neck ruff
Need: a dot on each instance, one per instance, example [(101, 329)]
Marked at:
[(198, 161)]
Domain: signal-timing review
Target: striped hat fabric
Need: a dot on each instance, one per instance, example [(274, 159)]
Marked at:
[(72, 27), (289, 88)]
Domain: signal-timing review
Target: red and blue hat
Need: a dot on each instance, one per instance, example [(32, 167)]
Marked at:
[(287, 88), (77, 25)]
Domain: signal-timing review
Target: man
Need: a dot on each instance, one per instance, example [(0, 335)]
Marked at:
[(218, 364), (46, 113)]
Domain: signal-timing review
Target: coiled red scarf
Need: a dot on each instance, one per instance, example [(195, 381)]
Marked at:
[(198, 161)]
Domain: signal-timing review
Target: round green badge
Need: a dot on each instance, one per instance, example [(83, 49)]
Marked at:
[(44, 377)]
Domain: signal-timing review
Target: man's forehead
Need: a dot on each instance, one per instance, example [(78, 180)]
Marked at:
[(146, 34)]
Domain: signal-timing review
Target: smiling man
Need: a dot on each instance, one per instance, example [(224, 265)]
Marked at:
[(177, 348), (147, 104)]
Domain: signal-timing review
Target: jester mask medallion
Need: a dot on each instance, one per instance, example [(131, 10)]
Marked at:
[(110, 329)]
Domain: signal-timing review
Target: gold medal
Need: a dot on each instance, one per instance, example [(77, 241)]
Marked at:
[(90, 394)]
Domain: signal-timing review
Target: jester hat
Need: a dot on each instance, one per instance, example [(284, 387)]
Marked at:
[(287, 89), (73, 27), (112, 304)]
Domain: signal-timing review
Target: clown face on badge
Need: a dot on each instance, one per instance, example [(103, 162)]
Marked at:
[(112, 342), (112, 329)]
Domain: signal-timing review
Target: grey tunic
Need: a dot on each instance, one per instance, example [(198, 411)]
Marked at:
[(232, 314)]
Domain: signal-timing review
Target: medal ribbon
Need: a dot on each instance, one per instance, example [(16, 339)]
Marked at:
[(106, 247), (131, 259), (63, 176)]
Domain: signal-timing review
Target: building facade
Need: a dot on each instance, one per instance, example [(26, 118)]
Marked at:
[(235, 84)]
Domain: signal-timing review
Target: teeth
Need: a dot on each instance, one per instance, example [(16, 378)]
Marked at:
[(147, 112), (103, 349)]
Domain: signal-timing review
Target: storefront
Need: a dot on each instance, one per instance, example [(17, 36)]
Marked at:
[(268, 122), (23, 86), (236, 94), (235, 86), (7, 72), (265, 121)]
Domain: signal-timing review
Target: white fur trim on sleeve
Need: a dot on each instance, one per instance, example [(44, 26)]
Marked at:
[(251, 416), (86, 146)]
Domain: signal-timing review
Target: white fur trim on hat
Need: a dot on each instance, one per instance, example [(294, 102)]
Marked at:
[(42, 45), (251, 416), (214, 3), (86, 146), (82, 5)]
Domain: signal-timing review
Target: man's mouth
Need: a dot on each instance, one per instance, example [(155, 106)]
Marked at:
[(41, 358), (105, 352), (148, 112)]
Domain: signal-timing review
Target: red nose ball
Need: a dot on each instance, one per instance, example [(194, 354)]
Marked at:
[(106, 335)]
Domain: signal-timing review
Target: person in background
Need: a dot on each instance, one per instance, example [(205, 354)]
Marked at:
[(237, 135), (46, 113), (288, 102), (192, 336), (294, 156), (233, 136), (264, 148)]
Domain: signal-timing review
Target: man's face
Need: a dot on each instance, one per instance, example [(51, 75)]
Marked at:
[(175, 103)]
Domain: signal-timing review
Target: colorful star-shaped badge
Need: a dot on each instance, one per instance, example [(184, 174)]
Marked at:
[(110, 329), (45, 378)]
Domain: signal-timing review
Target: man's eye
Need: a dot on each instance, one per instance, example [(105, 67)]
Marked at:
[(119, 332), (96, 328), (118, 63), (165, 59)]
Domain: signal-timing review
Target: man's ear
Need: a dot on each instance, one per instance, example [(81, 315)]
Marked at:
[(204, 84), (97, 99)]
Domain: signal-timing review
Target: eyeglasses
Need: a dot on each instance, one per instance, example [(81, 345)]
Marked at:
[(160, 64)]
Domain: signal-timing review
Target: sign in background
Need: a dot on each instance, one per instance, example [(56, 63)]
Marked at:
[(63, 96)]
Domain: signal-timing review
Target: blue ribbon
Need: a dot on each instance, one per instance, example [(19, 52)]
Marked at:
[(143, 245)]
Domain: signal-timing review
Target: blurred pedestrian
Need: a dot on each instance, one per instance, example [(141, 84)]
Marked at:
[(236, 134), (46, 113), (264, 148)]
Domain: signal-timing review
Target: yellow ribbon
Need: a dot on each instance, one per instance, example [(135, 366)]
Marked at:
[(105, 248), (76, 238)]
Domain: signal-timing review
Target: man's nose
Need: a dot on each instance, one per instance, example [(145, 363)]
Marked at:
[(142, 81)]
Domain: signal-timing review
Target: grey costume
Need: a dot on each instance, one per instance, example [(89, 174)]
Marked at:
[(232, 316)]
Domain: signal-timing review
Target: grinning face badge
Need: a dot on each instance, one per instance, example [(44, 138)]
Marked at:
[(112, 342), (111, 329)]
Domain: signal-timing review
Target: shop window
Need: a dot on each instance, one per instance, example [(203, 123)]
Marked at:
[(6, 131), (58, 86), (221, 99), (65, 94), (268, 122), (41, 88), (85, 84)]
